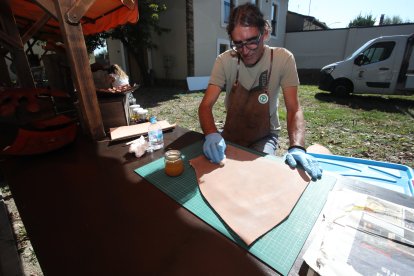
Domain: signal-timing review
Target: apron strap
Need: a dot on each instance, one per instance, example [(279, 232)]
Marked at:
[(268, 77), (238, 67), (270, 71)]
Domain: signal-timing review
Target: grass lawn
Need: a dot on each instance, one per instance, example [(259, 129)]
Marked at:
[(366, 126)]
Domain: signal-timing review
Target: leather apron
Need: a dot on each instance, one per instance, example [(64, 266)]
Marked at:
[(248, 117)]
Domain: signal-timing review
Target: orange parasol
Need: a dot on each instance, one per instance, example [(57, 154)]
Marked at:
[(102, 15)]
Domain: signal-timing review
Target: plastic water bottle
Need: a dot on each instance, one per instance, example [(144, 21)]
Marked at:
[(155, 136)]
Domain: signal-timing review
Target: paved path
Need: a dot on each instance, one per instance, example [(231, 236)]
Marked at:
[(9, 258)]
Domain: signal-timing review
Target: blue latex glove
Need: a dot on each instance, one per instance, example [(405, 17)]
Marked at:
[(297, 156), (214, 147)]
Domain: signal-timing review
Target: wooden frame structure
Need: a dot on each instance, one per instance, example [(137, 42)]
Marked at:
[(73, 23)]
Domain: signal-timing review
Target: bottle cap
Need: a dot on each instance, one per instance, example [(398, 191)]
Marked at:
[(153, 119)]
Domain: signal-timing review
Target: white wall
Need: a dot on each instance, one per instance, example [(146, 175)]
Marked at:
[(266, 8), (207, 30), (315, 49), (116, 52), (169, 60)]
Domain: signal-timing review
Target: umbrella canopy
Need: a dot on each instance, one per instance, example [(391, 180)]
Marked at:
[(102, 15), (67, 21)]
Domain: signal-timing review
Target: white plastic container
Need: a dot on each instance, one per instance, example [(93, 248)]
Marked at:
[(142, 115)]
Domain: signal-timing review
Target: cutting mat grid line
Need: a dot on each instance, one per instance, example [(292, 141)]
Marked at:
[(279, 247), (290, 236)]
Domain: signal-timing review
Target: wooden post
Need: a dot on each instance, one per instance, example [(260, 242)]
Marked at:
[(81, 72), (18, 54), (189, 22), (35, 27)]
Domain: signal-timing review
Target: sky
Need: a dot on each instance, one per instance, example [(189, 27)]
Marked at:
[(338, 13)]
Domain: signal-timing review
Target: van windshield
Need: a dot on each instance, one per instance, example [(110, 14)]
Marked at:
[(359, 50)]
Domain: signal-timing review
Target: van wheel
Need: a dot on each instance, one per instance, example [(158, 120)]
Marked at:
[(341, 88)]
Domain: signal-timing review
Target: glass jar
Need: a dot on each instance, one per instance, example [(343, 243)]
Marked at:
[(174, 165), (133, 117)]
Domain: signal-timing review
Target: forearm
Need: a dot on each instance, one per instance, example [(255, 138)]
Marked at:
[(205, 114), (295, 119), (296, 128), (205, 110)]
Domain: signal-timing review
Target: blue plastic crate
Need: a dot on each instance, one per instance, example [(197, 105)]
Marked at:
[(395, 177)]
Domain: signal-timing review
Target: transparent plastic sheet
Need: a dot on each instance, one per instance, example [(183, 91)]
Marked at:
[(363, 235)]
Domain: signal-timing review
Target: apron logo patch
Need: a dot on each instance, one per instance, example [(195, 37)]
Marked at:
[(263, 79), (263, 98)]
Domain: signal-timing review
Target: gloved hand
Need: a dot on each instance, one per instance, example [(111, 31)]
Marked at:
[(309, 164), (214, 147)]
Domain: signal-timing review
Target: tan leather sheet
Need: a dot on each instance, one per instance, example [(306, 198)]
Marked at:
[(251, 194)]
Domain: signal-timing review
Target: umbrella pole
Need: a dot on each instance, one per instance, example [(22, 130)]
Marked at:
[(81, 72)]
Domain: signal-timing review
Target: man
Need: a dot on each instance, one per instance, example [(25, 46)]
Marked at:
[(252, 74)]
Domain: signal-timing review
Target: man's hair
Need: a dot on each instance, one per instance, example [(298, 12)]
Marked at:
[(246, 15)]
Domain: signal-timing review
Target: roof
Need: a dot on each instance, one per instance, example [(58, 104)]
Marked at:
[(310, 19)]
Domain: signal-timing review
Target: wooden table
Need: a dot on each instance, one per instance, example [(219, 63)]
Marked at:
[(88, 213)]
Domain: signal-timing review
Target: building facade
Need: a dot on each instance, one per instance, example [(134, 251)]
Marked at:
[(198, 34)]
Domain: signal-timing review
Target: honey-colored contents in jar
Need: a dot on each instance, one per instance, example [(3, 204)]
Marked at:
[(174, 165)]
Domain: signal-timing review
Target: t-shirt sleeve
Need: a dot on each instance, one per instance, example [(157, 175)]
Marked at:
[(218, 76), (290, 73)]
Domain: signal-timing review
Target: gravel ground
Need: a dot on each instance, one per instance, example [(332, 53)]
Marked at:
[(28, 259)]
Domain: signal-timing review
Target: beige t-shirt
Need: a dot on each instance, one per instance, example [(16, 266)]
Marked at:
[(284, 74)]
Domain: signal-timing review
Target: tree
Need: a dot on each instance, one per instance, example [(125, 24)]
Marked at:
[(394, 20), (94, 42), (137, 38), (362, 21)]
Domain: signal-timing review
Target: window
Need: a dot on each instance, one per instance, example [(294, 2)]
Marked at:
[(225, 12), (274, 17), (226, 7), (378, 52), (222, 45)]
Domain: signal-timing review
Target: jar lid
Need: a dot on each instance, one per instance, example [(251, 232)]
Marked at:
[(172, 155)]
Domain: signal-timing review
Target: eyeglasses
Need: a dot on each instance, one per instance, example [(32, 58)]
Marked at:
[(250, 44)]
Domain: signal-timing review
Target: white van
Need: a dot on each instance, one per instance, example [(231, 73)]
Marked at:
[(383, 65)]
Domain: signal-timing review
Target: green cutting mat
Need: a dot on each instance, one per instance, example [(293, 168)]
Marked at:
[(280, 246)]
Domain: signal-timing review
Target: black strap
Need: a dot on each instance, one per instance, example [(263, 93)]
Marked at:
[(270, 71), (297, 147), (268, 76)]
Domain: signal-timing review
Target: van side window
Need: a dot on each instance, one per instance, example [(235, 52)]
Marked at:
[(378, 52)]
